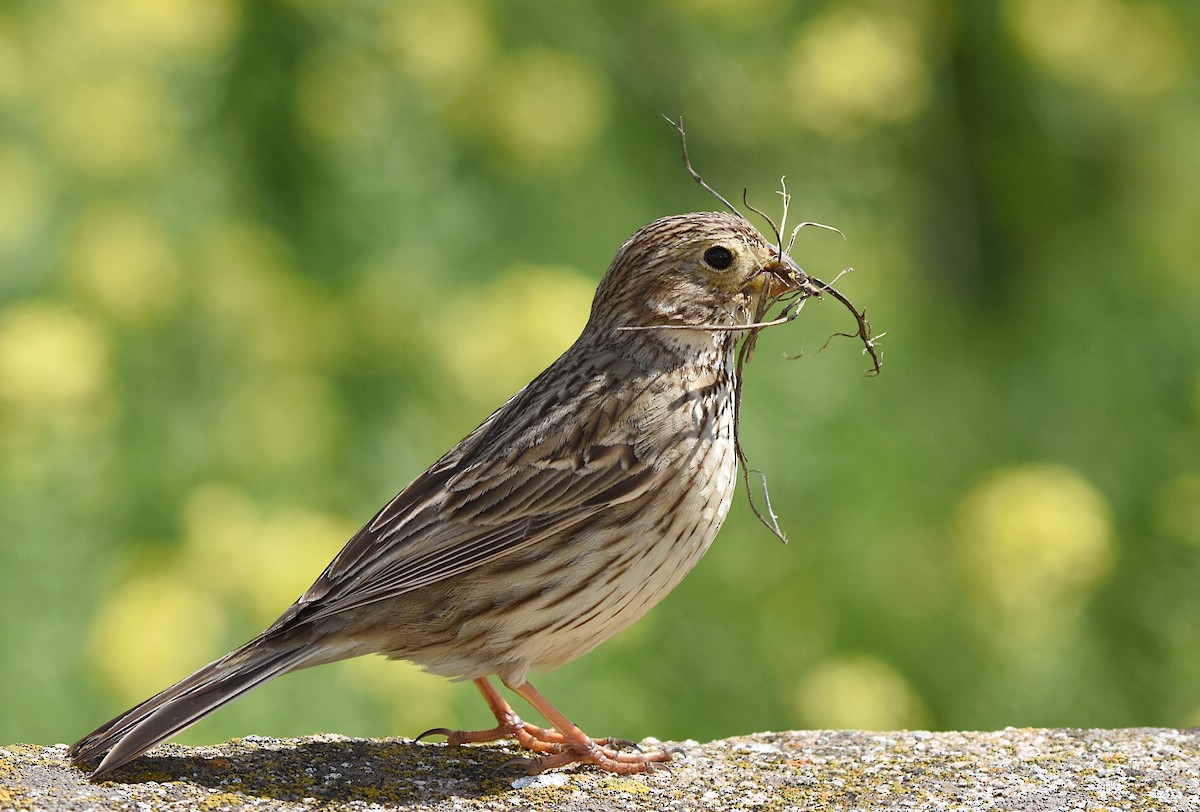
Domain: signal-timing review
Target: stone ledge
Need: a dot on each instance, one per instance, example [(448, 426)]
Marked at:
[(1012, 769)]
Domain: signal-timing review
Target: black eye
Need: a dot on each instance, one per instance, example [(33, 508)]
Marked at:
[(719, 257)]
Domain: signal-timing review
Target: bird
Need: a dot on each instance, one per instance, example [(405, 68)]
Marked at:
[(564, 517)]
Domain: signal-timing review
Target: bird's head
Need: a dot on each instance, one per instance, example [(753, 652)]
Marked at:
[(706, 268)]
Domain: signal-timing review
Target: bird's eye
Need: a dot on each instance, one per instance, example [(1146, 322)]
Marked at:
[(718, 257)]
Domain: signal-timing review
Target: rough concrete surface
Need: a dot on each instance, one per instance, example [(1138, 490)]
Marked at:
[(1012, 769)]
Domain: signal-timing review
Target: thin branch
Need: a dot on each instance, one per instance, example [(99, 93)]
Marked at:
[(864, 326), (796, 230), (687, 162), (769, 520), (763, 215), (716, 328)]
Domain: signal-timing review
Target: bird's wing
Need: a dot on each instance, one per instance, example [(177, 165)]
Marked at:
[(520, 478)]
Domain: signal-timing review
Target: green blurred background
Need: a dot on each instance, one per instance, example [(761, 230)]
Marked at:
[(262, 262)]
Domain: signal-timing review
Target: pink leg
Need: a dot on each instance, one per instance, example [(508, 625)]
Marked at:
[(509, 726), (564, 744), (578, 747)]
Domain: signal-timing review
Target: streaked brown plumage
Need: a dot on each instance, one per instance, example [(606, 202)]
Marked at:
[(564, 517)]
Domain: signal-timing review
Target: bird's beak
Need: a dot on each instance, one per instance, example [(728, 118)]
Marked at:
[(780, 276)]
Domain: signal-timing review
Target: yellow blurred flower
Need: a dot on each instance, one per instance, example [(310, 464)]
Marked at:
[(541, 107), (51, 357), (859, 692), (1117, 47), (91, 36), (261, 560), (441, 44), (1034, 540), (121, 259), (499, 337), (110, 124), (189, 27), (856, 68), (23, 193), (155, 628)]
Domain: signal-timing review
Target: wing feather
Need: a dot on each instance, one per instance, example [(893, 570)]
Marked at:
[(517, 480)]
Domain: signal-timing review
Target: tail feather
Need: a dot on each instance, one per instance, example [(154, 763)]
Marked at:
[(126, 737)]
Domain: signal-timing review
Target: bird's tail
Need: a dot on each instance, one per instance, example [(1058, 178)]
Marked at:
[(135, 731)]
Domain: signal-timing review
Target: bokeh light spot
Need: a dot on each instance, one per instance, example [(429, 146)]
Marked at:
[(23, 195), (441, 44), (412, 696), (158, 28), (519, 324), (849, 70), (51, 357), (543, 107), (111, 124), (262, 560), (155, 628), (859, 692), (1034, 541), (1120, 48), (123, 261)]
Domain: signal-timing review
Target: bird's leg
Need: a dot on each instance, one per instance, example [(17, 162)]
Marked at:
[(508, 726), (577, 747)]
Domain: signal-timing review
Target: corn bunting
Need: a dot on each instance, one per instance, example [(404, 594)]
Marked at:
[(571, 511)]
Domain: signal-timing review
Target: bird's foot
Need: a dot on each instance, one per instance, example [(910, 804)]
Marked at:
[(528, 735), (609, 755), (558, 746)]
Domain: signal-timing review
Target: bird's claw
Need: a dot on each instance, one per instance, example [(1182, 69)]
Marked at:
[(435, 731), (604, 756)]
